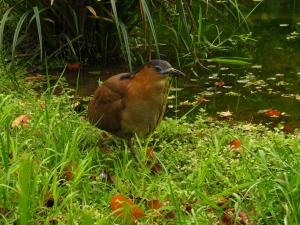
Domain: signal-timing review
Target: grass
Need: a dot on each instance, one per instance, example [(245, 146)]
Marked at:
[(59, 169)]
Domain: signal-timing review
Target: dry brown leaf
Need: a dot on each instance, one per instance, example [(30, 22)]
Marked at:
[(154, 204), (21, 120)]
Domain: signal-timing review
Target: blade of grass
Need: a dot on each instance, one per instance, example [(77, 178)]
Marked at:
[(5, 18), (126, 43), (17, 32), (147, 15), (39, 29)]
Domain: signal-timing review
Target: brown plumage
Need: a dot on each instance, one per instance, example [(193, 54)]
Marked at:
[(132, 103)]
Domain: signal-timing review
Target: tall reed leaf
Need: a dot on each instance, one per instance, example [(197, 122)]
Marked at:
[(26, 190), (116, 19), (2, 25), (126, 43), (39, 29), (148, 17), (16, 34), (199, 30)]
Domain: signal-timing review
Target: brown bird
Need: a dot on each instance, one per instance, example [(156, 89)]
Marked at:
[(132, 103)]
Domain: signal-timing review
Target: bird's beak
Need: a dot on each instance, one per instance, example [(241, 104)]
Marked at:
[(173, 72)]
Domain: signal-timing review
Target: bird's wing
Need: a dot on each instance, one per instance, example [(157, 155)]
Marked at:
[(108, 103)]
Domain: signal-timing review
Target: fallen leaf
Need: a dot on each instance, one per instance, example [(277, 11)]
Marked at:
[(235, 144), (201, 100), (154, 204), (68, 172), (244, 218), (38, 77), (156, 168), (150, 153), (170, 214), (21, 120), (121, 205), (225, 114), (188, 208), (219, 83), (273, 113), (73, 67)]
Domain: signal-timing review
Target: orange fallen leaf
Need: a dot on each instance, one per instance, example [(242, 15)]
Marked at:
[(120, 203), (150, 153), (68, 172), (235, 143), (22, 119), (273, 113), (73, 67), (219, 83), (154, 204)]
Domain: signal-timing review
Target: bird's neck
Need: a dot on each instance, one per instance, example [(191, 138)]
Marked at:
[(147, 80)]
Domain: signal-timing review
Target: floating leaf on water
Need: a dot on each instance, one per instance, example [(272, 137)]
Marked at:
[(232, 74), (211, 66), (201, 99), (185, 103), (261, 83), (282, 83), (175, 89), (225, 114), (258, 66), (287, 95), (224, 68), (219, 83), (73, 67), (210, 89), (38, 77), (207, 93), (232, 93), (242, 81), (272, 113), (214, 76), (171, 97)]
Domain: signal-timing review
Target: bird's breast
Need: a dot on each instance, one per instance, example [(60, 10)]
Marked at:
[(145, 106)]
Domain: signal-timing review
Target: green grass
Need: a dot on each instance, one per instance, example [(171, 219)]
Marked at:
[(53, 170)]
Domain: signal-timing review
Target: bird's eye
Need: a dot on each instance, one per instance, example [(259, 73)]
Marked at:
[(157, 68)]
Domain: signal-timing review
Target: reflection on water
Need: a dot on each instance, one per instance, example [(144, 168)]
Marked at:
[(272, 81)]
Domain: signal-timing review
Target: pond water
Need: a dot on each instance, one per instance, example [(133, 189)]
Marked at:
[(271, 81)]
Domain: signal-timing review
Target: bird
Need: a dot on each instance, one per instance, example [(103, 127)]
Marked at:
[(132, 103)]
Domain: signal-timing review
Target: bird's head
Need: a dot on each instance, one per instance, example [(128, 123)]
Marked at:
[(163, 68)]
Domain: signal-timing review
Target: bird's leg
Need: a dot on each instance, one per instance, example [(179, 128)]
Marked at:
[(132, 149)]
